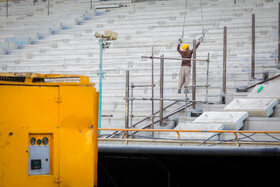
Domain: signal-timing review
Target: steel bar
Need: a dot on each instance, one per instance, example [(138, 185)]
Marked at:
[(161, 90), (224, 67), (142, 116), (253, 48), (190, 86), (131, 105), (163, 99), (180, 108), (207, 78), (278, 36), (167, 58), (203, 131), (155, 113), (153, 90), (144, 119), (186, 97), (106, 116), (252, 86), (194, 74), (178, 131), (127, 100), (91, 4), (148, 85)]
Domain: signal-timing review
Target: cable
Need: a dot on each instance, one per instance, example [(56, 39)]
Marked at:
[(184, 19), (209, 138), (202, 21), (272, 136)]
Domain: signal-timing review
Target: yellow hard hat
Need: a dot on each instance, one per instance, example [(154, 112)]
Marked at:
[(185, 46)]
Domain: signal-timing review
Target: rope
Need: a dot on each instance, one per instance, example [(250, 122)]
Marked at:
[(202, 21), (184, 19)]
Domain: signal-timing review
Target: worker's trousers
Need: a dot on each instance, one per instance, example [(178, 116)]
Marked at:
[(184, 76)]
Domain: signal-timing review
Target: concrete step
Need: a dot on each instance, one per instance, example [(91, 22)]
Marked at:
[(230, 120), (255, 107), (262, 124)]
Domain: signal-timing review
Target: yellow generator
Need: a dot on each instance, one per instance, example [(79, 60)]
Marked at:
[(48, 130)]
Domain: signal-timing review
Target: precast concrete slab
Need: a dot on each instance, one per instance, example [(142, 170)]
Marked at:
[(271, 90), (197, 135), (230, 120), (255, 107)]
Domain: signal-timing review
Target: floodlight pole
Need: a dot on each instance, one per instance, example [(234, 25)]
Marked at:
[(100, 83)]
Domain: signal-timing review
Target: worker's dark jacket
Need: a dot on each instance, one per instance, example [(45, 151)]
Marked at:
[(186, 54)]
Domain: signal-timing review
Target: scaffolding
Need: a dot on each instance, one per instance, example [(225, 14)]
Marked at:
[(158, 116)]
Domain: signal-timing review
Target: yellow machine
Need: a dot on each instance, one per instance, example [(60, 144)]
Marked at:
[(48, 130)]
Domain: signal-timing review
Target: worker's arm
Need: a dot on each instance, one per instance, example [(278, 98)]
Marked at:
[(178, 49), (196, 47), (197, 44)]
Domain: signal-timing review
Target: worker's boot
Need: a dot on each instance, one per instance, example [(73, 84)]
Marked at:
[(179, 91)]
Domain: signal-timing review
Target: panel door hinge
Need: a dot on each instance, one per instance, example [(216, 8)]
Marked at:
[(58, 99), (58, 180)]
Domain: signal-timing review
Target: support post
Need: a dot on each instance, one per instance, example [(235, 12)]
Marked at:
[(253, 48), (207, 77), (224, 88), (126, 100), (278, 36), (194, 74), (100, 84), (131, 105), (153, 117), (161, 90)]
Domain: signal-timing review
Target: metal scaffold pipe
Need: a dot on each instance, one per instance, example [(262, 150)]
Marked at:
[(168, 58)]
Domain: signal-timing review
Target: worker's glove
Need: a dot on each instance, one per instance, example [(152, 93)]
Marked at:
[(180, 41), (201, 39)]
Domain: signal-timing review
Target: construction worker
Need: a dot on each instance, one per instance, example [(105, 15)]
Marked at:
[(185, 70)]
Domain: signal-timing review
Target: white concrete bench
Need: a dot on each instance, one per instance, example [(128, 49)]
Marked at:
[(230, 120), (255, 107)]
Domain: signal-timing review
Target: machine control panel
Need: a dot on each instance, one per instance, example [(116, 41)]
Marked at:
[(39, 154), (36, 164)]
